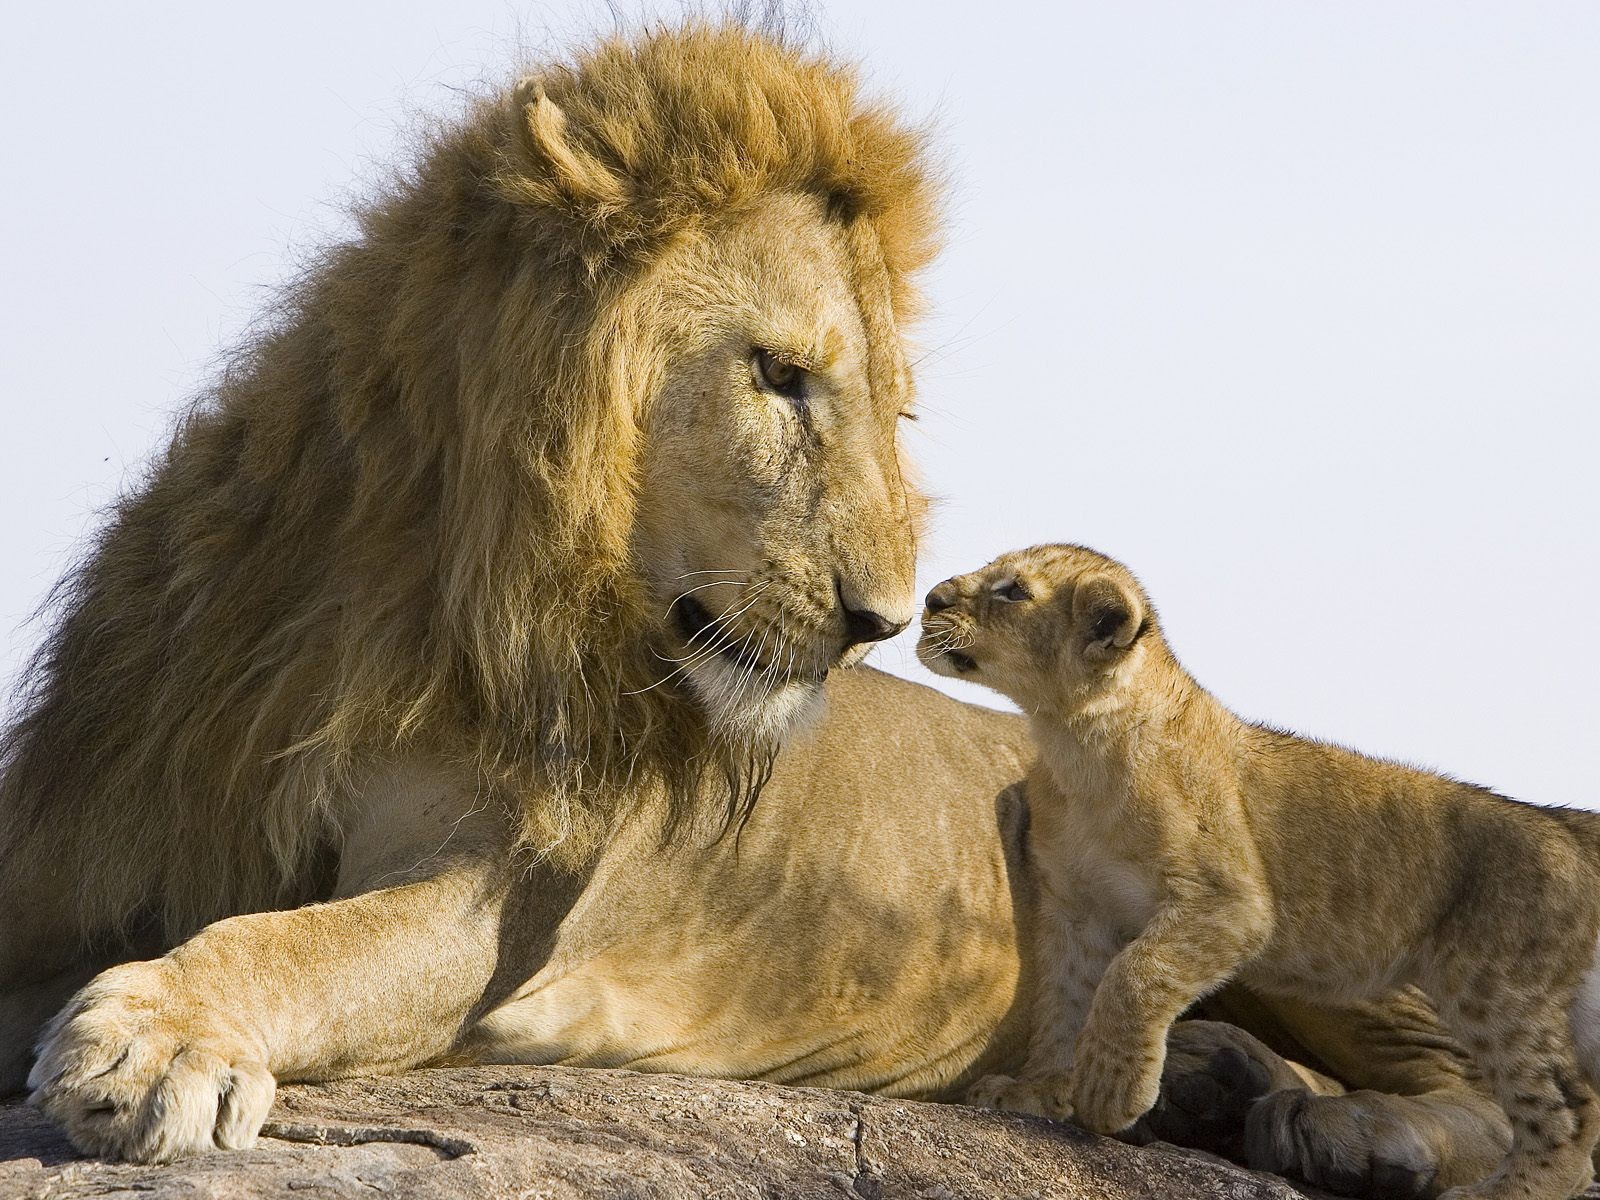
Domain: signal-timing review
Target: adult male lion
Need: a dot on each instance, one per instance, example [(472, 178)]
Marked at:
[(520, 543)]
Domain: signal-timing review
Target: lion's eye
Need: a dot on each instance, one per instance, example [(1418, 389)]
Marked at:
[(1013, 592), (779, 375)]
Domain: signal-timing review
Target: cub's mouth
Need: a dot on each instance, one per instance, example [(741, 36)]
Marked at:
[(937, 654)]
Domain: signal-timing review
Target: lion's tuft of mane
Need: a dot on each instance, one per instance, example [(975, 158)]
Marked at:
[(400, 521)]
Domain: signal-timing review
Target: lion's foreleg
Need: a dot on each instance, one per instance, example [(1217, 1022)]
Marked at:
[(177, 1055), (1415, 1123), (180, 1054)]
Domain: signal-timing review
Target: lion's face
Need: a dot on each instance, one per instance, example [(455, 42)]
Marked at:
[(776, 527)]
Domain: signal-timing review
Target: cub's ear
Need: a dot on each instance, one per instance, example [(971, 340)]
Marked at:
[(1107, 615)]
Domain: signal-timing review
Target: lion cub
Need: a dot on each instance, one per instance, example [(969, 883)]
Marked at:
[(1178, 847)]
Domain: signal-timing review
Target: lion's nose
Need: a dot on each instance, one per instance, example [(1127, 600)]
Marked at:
[(863, 625), (942, 596)]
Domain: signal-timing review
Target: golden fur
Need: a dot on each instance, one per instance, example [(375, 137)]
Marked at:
[(399, 598), (402, 520), (1180, 847)]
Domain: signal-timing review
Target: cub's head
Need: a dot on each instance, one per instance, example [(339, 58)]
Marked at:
[(1052, 627)]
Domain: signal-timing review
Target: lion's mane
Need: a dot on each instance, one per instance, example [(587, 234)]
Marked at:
[(400, 521)]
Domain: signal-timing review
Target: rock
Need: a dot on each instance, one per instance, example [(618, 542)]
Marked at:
[(554, 1133)]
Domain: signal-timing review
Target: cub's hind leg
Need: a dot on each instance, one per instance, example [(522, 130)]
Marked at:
[(1527, 1056)]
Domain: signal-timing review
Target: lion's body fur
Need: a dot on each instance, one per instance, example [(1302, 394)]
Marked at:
[(385, 595), (401, 519)]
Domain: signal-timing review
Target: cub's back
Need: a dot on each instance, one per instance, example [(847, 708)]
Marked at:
[(1339, 829)]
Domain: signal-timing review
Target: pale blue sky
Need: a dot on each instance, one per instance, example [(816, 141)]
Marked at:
[(1294, 307)]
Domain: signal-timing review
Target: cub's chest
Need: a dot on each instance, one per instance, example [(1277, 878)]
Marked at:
[(1096, 880)]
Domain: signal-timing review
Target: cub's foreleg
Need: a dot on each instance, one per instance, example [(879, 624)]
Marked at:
[(1190, 947), (1072, 948)]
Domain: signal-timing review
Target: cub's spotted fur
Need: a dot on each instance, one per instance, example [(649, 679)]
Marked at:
[(1179, 847)]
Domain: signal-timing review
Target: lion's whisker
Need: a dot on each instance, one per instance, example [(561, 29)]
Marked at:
[(693, 590), (774, 675), (768, 678), (720, 642), (722, 620), (685, 664), (720, 627)]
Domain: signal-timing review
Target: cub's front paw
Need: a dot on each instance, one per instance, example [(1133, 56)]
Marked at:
[(1040, 1096), (1110, 1091), (130, 1073)]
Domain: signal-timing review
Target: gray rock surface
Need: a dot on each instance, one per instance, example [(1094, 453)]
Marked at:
[(552, 1133)]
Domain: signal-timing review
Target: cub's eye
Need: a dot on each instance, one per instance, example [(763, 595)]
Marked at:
[(1013, 592), (779, 375)]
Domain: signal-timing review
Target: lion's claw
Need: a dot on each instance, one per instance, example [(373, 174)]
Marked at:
[(128, 1077)]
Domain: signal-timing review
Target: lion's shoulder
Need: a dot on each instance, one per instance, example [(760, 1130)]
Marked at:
[(908, 724)]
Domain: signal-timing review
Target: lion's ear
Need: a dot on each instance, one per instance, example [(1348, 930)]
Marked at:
[(579, 176), (1107, 616)]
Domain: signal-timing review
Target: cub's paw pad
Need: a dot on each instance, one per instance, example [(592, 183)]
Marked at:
[(1207, 1092), (1110, 1093), (1042, 1096), (129, 1075)]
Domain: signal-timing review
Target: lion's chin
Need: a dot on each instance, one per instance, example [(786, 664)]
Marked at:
[(751, 710)]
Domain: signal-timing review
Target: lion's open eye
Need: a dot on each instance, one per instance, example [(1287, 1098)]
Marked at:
[(1013, 592), (779, 375)]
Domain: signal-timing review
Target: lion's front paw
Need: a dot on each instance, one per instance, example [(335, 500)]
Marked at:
[(129, 1075), (1113, 1088), (1040, 1096), (1358, 1144), (1214, 1074)]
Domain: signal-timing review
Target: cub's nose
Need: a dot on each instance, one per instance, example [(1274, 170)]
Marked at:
[(942, 596)]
